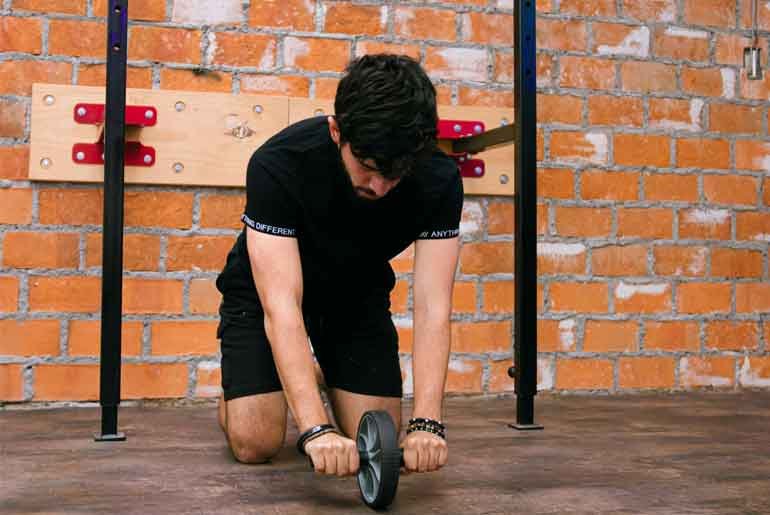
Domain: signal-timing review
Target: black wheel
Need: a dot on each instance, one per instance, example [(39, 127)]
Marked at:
[(380, 455)]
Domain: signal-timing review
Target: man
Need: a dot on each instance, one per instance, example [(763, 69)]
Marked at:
[(329, 201)]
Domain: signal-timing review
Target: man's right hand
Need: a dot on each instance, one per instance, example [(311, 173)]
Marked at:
[(333, 454)]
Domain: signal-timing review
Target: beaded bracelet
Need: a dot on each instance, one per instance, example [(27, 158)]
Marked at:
[(313, 433), (428, 425), (427, 421)]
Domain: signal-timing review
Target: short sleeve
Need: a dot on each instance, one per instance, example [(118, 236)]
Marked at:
[(444, 221), (270, 206)]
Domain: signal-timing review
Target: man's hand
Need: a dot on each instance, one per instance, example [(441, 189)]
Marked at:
[(333, 454), (424, 452)]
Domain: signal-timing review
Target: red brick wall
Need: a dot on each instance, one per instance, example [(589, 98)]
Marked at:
[(654, 216)]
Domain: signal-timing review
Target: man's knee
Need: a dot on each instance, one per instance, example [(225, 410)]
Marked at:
[(248, 447)]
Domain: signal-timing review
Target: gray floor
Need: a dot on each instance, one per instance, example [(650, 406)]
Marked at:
[(682, 454)]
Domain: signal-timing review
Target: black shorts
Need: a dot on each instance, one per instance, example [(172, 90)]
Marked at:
[(356, 348)]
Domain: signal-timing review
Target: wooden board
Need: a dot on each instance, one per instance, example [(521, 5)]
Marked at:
[(211, 135)]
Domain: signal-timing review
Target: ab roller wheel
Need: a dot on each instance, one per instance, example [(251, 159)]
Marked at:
[(381, 459)]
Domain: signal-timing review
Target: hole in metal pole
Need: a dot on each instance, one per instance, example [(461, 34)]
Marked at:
[(116, 48)]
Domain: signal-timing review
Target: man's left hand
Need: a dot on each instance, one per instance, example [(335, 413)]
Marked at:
[(424, 452)]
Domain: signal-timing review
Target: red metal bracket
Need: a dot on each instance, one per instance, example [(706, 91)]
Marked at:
[(136, 154), (455, 129)]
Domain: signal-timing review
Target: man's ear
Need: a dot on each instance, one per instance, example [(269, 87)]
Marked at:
[(334, 129)]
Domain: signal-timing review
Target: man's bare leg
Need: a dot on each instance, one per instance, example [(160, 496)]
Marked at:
[(255, 425)]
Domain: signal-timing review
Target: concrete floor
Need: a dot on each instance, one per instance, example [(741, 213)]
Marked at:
[(680, 454)]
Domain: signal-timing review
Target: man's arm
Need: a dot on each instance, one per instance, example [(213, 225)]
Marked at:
[(275, 264), (434, 269)]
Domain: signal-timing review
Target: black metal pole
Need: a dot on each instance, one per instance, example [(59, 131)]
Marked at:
[(112, 234), (525, 302)]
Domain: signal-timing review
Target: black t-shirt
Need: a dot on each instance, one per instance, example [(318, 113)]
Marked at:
[(296, 187)]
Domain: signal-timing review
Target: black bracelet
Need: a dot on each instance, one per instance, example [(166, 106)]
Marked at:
[(427, 421), (312, 433)]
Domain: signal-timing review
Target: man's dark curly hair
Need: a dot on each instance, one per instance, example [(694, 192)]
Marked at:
[(385, 108)]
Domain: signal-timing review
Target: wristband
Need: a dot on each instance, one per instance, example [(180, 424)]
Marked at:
[(428, 425), (313, 432)]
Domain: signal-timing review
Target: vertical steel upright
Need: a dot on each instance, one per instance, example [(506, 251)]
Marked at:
[(525, 302), (112, 240)]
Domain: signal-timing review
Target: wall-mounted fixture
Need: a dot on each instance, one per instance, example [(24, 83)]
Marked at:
[(752, 56)]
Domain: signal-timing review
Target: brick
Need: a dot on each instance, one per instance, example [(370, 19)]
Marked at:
[(619, 260), (315, 54), (67, 382), (648, 77), (484, 97), (583, 221), (405, 338), (67, 294), (670, 187), (141, 252), (648, 223), (561, 258), (488, 29), (593, 8), (504, 67), (545, 64), (204, 297), (472, 221), (642, 150), (399, 297), (766, 191), (96, 75), (704, 224), (702, 153), (158, 209), (184, 338), (679, 43), (152, 296), (198, 252), (278, 85), (702, 371), (617, 39), (584, 374), (731, 189), (21, 35), (355, 19), (754, 371), (41, 250), (144, 10), (587, 72), (222, 211), (610, 336), (190, 80), (208, 379), (559, 109), (753, 226), (556, 183), (48, 6), (752, 89), (637, 373), (736, 118), (9, 294), (486, 258), (17, 77), (671, 336), (404, 262), (543, 6), (165, 45), (289, 14), (603, 185), (669, 113), (709, 82), (680, 260), (752, 155), (379, 47), (732, 335), (763, 14), (14, 161), (464, 297), (729, 48), (29, 337), (154, 380), (579, 297), (703, 298), (70, 206), (642, 298), (456, 63), (568, 35), (15, 205), (718, 13), (540, 145), (236, 49), (443, 94), (11, 383), (651, 10), (557, 335), (84, 338), (77, 38), (589, 147), (609, 110), (481, 336), (499, 380), (542, 219), (752, 298), (463, 375), (498, 296)]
